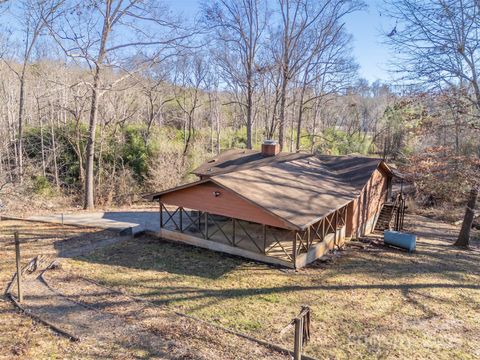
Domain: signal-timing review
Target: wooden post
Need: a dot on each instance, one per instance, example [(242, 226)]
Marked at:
[(335, 227), (161, 213), (345, 214), (206, 225), (19, 270), (297, 347), (264, 239), (294, 252), (323, 228), (309, 241), (181, 218)]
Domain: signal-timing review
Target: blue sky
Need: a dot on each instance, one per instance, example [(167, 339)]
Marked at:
[(365, 26)]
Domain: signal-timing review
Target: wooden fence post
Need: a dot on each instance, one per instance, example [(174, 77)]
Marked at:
[(302, 331), (297, 347), (19, 269)]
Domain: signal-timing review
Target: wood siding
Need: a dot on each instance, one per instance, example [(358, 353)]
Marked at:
[(364, 210), (227, 203)]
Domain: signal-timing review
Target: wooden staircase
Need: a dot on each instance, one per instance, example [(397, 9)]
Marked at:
[(385, 218), (392, 215)]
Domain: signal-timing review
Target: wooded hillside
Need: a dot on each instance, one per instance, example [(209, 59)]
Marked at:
[(101, 100)]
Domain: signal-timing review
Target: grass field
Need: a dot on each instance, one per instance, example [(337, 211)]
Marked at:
[(367, 302)]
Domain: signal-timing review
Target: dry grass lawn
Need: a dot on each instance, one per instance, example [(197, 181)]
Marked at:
[(367, 302)]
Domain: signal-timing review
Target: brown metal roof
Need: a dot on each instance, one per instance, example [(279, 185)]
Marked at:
[(240, 159), (299, 190)]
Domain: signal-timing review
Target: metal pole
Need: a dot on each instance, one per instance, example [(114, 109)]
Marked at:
[(19, 270), (297, 347)]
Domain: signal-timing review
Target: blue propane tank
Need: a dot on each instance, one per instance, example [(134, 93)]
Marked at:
[(399, 239)]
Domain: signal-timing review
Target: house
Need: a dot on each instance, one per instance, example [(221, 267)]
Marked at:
[(280, 208)]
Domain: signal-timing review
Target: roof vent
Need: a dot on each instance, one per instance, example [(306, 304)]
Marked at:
[(270, 148)]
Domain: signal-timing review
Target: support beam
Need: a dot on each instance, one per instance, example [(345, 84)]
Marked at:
[(264, 228), (294, 251), (181, 218), (335, 226), (309, 241), (206, 225), (161, 213)]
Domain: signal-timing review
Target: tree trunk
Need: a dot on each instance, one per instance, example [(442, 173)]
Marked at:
[(249, 113), (89, 176), (90, 157), (464, 236), (79, 152), (217, 118), (42, 147), (300, 116), (54, 153), (281, 125), (21, 105)]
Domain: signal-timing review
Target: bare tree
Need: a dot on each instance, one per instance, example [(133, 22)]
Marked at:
[(298, 18), (33, 17), (153, 31), (190, 76), (238, 27), (438, 43), (328, 68)]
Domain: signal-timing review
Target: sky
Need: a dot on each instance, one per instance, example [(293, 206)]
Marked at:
[(368, 28), (365, 26)]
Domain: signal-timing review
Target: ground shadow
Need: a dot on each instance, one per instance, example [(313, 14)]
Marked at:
[(389, 268), (150, 253)]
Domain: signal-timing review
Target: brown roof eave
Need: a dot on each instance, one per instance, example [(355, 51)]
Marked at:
[(156, 196)]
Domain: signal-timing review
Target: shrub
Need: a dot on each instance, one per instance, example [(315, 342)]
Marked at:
[(339, 142), (41, 186)]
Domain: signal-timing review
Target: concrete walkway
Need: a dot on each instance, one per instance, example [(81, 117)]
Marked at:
[(128, 222)]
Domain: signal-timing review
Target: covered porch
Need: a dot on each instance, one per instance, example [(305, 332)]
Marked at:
[(284, 246)]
